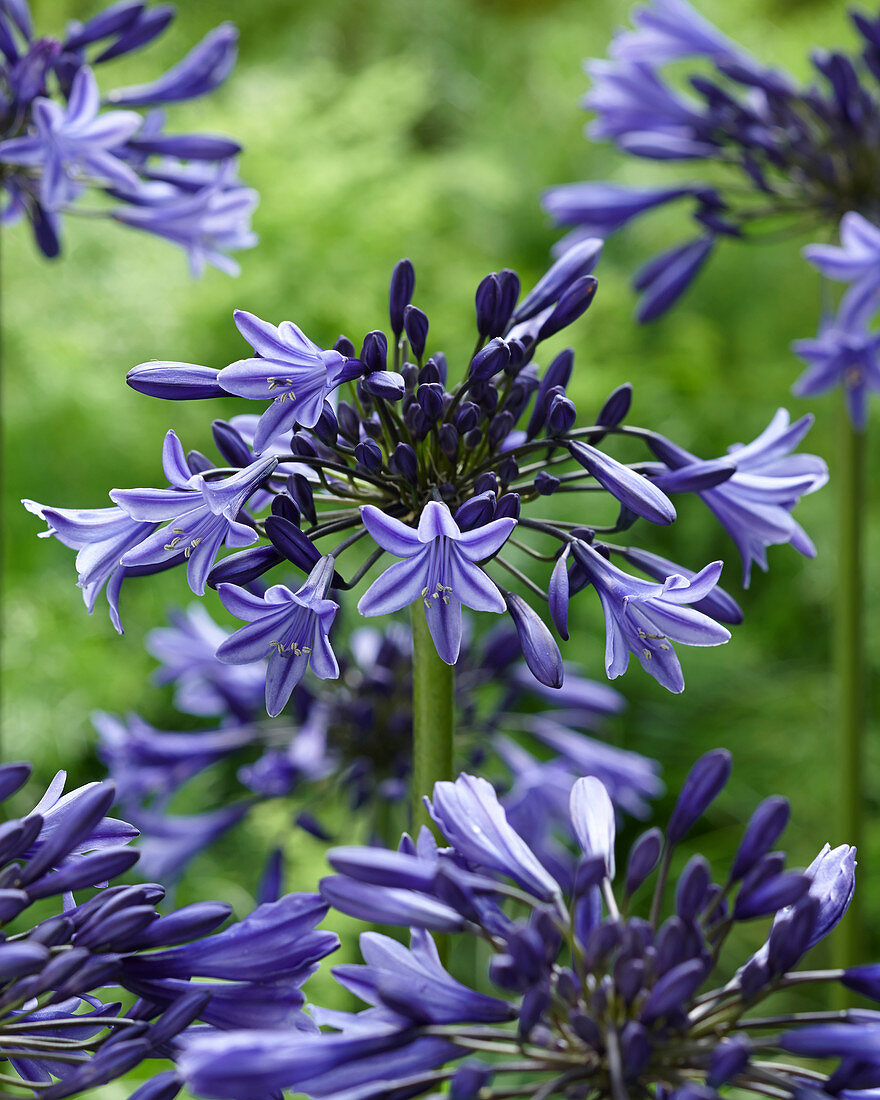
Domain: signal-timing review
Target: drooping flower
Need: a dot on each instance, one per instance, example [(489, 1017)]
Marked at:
[(203, 514), (755, 503), (607, 989), (290, 628), (57, 144), (438, 568)]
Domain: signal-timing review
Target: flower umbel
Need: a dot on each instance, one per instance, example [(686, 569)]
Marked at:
[(588, 998)]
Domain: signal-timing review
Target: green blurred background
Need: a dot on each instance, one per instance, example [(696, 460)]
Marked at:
[(376, 129)]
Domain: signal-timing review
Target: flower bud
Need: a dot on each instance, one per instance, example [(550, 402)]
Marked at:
[(403, 283), (175, 381), (416, 324), (704, 782), (539, 649), (491, 359), (643, 857), (403, 462)]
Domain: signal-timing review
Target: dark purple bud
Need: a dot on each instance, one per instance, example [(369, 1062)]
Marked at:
[(230, 444), (769, 896), (112, 20), (301, 492), (190, 923), (372, 426), (28, 78), (864, 980), (490, 360), (586, 1028), (703, 784), (546, 484), (692, 888), (403, 283), (635, 1048), (301, 444), (416, 324), (616, 406), (508, 293), (729, 1059), (696, 477), (387, 384), (667, 276), (603, 940), (561, 415), (12, 777), (369, 455), (468, 1080), (186, 146), (148, 26), (476, 512), (500, 427), (643, 857), (486, 483), (590, 872), (19, 959), (467, 417), (539, 648), (403, 461), (11, 903), (80, 819), (534, 1003), (753, 978), (310, 824), (486, 301), (763, 830), (245, 566), (508, 471), (632, 489), (374, 353), (571, 305), (349, 422), (448, 437), (198, 463), (430, 372), (175, 381), (327, 428), (44, 227), (430, 398), (508, 506), (473, 438), (577, 262), (288, 540), (345, 347), (674, 990), (629, 977)]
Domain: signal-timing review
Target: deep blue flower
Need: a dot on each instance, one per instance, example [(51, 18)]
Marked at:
[(585, 994)]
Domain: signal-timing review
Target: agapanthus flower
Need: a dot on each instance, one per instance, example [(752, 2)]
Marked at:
[(611, 988), (776, 152), (62, 141), (354, 737), (755, 503), (453, 478), (63, 1029)]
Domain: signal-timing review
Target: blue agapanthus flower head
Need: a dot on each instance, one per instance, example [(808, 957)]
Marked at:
[(75, 946), (360, 455), (613, 987), (352, 737), (62, 141)]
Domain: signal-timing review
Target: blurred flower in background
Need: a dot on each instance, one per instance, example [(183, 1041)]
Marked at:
[(63, 144), (354, 738)]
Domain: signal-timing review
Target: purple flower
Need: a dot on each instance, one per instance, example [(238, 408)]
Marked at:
[(667, 30), (101, 536), (644, 618), (856, 258), (74, 144), (754, 505), (599, 209), (439, 568), (203, 514), (845, 354), (289, 368), (206, 224), (291, 628)]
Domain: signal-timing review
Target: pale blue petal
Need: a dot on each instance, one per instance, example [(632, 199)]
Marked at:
[(401, 584)]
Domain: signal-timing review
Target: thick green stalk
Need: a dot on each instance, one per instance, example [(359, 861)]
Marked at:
[(849, 653), (433, 715)]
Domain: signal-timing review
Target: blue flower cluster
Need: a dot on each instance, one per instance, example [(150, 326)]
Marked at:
[(783, 154), (60, 140), (585, 997), (448, 477), (60, 1034), (356, 739)]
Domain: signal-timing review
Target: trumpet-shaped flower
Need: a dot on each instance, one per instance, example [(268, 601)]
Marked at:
[(203, 514), (439, 568), (290, 628)]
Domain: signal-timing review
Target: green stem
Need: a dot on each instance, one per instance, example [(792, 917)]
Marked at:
[(849, 662), (433, 715)]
